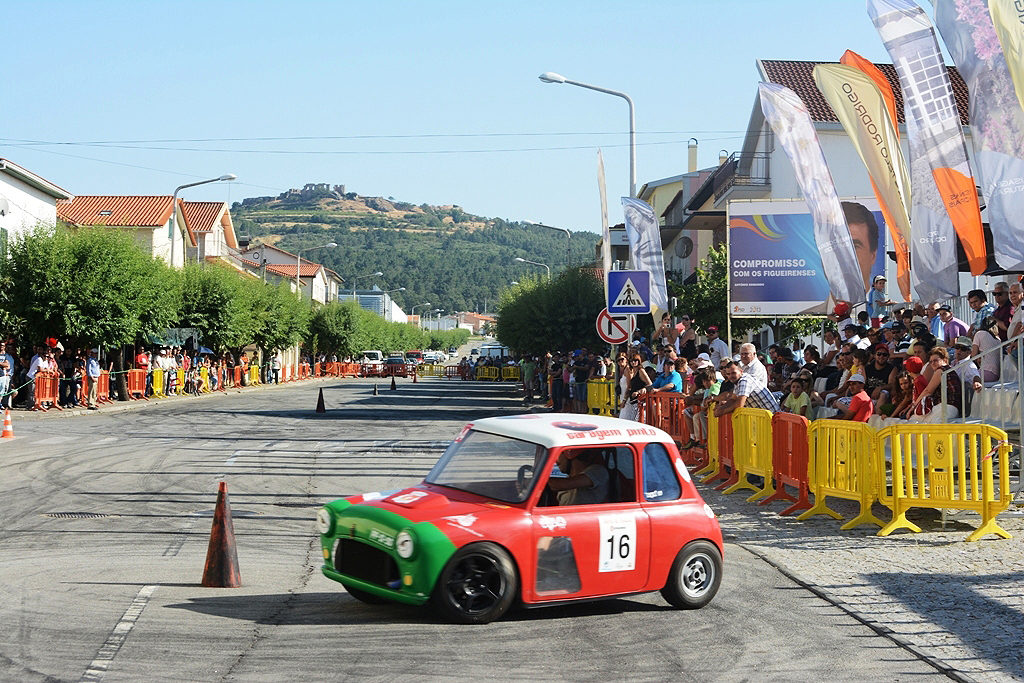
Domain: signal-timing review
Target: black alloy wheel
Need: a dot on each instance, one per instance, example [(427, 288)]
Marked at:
[(478, 585)]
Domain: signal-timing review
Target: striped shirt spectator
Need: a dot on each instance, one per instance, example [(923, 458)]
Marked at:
[(747, 391)]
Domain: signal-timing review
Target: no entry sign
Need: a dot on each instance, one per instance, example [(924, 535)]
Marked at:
[(615, 328)]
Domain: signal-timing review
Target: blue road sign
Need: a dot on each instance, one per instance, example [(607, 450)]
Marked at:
[(629, 291)]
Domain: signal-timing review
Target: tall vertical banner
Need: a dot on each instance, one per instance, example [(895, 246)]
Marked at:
[(1008, 20), (900, 231), (606, 235), (644, 237), (934, 134), (788, 117), (997, 120)]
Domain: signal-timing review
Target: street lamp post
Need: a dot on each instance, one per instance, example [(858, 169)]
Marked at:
[(552, 77), (412, 311), (535, 263), (377, 274), (568, 237), (298, 267), (174, 206)]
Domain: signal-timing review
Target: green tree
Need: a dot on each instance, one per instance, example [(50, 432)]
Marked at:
[(542, 315), (213, 303)]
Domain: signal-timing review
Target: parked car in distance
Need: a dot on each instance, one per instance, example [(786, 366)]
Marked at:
[(452, 350), (395, 366), (371, 363), (506, 516), (414, 356)]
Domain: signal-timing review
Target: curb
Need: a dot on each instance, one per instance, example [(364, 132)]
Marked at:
[(128, 406), (941, 666)]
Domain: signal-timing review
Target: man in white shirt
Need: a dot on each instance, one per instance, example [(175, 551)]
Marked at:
[(718, 348), (751, 365)]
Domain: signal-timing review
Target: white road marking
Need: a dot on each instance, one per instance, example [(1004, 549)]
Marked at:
[(117, 636)]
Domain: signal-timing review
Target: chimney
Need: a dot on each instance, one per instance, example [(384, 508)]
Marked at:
[(723, 156), (691, 147)]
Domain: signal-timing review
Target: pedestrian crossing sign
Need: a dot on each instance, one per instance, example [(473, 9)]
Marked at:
[(629, 291)]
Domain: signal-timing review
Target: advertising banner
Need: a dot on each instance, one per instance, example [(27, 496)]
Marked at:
[(645, 245), (606, 238), (774, 264), (1008, 20), (788, 117), (997, 121), (943, 183)]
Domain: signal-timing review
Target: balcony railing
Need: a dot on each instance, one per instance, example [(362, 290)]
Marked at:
[(746, 170)]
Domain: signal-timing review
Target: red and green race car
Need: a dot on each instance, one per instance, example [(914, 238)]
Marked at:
[(531, 509)]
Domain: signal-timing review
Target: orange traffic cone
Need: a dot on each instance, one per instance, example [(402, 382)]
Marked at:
[(393, 387), (8, 432), (414, 375), (320, 403), (221, 569)]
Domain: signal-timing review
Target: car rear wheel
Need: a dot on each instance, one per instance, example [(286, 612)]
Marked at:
[(363, 596), (694, 577), (478, 584)]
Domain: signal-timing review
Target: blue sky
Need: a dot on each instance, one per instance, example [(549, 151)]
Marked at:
[(435, 102)]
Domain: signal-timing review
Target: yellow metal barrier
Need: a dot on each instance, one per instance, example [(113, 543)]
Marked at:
[(511, 372), (752, 451), (601, 397), (712, 465), (946, 466), (204, 374), (179, 388), (842, 465), (430, 370), (254, 375), (488, 373), (159, 390)]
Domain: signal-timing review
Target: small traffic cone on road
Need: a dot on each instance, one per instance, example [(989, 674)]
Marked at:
[(393, 387), (374, 389), (320, 403), (8, 432), (414, 375), (221, 569)]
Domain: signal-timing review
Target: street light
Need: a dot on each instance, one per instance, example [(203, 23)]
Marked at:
[(552, 77), (298, 267), (568, 236), (174, 206), (412, 311), (439, 311), (377, 274), (534, 263)]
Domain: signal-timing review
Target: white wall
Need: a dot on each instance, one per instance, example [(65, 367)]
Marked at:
[(26, 206)]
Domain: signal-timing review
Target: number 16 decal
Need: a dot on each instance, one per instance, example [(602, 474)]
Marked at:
[(618, 543)]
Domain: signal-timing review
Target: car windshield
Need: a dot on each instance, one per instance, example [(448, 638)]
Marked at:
[(494, 466)]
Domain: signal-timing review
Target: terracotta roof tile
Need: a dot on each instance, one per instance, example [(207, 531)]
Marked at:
[(798, 76), (201, 216), (307, 270), (116, 211)]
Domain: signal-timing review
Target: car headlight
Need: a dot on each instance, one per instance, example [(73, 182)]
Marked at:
[(405, 545), (324, 521)]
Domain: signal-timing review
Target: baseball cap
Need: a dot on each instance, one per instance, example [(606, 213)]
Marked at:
[(858, 378), (703, 356), (963, 341), (841, 308), (713, 328), (879, 277), (913, 364), (899, 327), (945, 307)]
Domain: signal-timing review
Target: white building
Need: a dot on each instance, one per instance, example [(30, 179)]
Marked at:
[(274, 264), (26, 200), (376, 301)]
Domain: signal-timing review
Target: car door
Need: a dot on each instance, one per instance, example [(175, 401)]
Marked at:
[(595, 548)]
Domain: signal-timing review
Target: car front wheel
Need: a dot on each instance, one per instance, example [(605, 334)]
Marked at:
[(694, 577), (478, 584)]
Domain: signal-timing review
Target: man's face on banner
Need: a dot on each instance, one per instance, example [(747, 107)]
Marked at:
[(865, 249)]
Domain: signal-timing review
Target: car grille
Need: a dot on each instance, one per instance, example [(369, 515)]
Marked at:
[(366, 563)]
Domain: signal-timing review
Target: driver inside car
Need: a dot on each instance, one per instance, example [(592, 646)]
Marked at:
[(586, 479)]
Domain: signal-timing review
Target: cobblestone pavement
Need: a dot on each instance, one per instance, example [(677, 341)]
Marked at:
[(959, 604)]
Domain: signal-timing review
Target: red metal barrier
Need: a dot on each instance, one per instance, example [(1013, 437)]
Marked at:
[(238, 375), (371, 369), (47, 386), (103, 390), (137, 384), (789, 461), (349, 369), (664, 411), (726, 469), (316, 369), (453, 371)]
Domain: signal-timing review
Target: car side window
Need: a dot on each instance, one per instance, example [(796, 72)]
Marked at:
[(660, 482)]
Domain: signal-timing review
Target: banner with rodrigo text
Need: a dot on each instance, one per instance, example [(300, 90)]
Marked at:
[(787, 115), (997, 120), (941, 181), (774, 264)]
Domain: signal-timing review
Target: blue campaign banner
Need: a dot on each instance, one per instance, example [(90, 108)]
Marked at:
[(629, 291), (774, 264)]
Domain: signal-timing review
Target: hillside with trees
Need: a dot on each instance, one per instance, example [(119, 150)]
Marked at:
[(441, 254)]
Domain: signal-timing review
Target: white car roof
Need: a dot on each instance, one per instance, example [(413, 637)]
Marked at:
[(556, 430)]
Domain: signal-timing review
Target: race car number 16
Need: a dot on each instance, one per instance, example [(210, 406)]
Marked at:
[(618, 543)]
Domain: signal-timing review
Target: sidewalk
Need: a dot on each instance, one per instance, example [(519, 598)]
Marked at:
[(958, 605), (123, 406)]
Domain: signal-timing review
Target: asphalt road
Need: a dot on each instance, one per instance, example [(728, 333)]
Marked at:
[(105, 519)]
